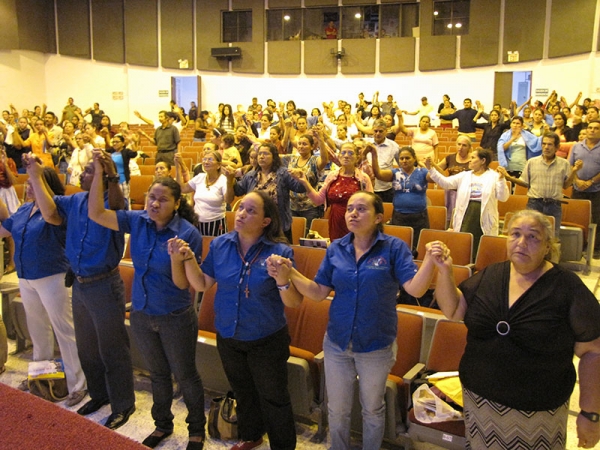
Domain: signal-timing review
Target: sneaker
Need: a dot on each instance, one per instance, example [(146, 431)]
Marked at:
[(23, 385), (75, 397), (247, 445)]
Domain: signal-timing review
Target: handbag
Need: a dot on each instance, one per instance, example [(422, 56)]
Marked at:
[(46, 379), (222, 418)]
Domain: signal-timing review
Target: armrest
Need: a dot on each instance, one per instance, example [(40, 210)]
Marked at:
[(413, 373), (319, 357)]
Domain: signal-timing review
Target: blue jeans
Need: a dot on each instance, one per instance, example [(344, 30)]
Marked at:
[(168, 344), (343, 369), (102, 341), (553, 209)]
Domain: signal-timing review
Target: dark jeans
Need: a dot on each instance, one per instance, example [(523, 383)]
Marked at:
[(257, 372), (168, 345), (386, 196), (102, 342), (417, 221), (594, 197), (550, 208)]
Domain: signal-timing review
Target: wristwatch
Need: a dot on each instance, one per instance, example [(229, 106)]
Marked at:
[(591, 416), (113, 179), (285, 287)]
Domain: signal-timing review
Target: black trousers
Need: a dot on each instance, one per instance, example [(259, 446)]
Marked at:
[(257, 373)]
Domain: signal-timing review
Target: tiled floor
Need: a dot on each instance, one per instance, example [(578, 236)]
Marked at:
[(140, 424)]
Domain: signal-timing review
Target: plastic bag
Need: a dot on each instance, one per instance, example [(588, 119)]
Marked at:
[(429, 408)]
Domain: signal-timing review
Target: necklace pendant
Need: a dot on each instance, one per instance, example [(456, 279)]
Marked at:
[(247, 291)]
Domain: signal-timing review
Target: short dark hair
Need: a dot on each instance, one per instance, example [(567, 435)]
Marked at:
[(53, 181), (552, 135)]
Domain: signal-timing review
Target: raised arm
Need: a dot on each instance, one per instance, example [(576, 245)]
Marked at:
[(588, 432), (319, 136), (142, 118), (43, 198), (380, 174), (282, 268), (96, 210), (450, 299)]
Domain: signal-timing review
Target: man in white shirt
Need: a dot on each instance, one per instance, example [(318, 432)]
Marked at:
[(387, 153)]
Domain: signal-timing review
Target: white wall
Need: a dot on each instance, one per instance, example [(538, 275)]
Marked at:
[(30, 78)]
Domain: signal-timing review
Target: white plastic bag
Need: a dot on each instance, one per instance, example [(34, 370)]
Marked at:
[(429, 408)]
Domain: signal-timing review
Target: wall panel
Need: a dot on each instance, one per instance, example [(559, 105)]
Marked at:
[(437, 53), (36, 26), (397, 55), (284, 57), (141, 32), (208, 34), (317, 57), (524, 29), (9, 35), (108, 30), (285, 3), (360, 56), (309, 3), (176, 33), (74, 28), (253, 53), (480, 47), (566, 38)]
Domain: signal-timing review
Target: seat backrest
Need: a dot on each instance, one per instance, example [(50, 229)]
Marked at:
[(577, 212), (308, 323), (409, 338), (308, 260), (138, 186), (492, 249), (321, 226), (437, 197), (514, 203), (388, 211), (404, 233), (206, 240), (298, 229), (521, 190), (206, 314), (437, 217), (447, 346), (70, 189), (230, 219), (459, 243)]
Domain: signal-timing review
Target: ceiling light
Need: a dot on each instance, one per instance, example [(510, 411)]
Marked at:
[(458, 25), (357, 15), (449, 25), (286, 17), (435, 13)]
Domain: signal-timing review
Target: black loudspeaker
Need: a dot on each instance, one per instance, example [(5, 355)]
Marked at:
[(226, 52)]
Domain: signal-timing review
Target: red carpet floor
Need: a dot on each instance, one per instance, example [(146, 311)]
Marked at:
[(29, 423)]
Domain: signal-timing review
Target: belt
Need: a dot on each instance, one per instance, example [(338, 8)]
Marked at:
[(164, 151), (101, 276), (549, 200)]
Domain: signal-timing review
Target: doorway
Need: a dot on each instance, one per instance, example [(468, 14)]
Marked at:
[(510, 86), (185, 90)]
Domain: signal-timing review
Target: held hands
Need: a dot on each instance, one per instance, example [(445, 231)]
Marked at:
[(428, 163), (279, 268), (229, 172), (588, 432), (440, 254), (298, 174), (502, 172), (578, 165), (33, 165), (179, 250)]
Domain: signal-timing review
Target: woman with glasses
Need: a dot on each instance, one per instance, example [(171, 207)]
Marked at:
[(338, 188), (81, 156), (209, 190)]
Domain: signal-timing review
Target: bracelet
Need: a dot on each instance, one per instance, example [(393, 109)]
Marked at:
[(113, 179), (188, 259), (285, 287), (591, 416)]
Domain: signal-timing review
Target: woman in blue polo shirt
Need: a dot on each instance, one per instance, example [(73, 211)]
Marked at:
[(410, 190), (365, 268), (42, 285), (163, 320), (252, 335)]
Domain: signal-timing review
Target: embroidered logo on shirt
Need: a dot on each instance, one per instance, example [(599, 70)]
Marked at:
[(377, 263)]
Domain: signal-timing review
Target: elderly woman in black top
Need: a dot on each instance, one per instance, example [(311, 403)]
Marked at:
[(526, 318)]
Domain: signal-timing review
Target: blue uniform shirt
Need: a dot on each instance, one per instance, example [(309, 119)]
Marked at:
[(363, 310), (410, 192), (91, 248), (39, 246), (154, 292), (261, 313)]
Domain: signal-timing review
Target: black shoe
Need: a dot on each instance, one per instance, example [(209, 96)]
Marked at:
[(115, 420), (195, 445), (92, 406), (153, 440)]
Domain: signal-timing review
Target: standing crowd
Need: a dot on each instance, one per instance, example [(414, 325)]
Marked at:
[(526, 317)]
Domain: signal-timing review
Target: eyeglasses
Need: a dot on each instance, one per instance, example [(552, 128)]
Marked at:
[(208, 160), (263, 154), (347, 153)]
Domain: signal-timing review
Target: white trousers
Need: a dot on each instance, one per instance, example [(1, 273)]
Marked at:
[(48, 306)]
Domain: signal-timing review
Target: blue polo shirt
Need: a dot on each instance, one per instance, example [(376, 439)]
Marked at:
[(363, 310), (591, 162), (285, 184), (236, 316), (91, 248), (154, 292), (39, 246), (410, 191)]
